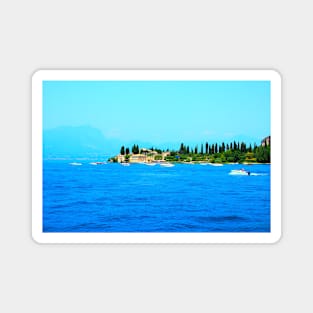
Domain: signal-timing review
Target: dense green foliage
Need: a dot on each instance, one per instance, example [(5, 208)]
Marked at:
[(233, 152), (135, 149)]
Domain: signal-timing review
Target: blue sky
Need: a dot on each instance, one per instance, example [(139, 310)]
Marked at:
[(161, 111)]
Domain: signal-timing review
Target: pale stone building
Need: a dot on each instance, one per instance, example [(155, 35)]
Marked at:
[(267, 141)]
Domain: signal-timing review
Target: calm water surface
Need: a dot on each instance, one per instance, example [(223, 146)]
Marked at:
[(141, 198)]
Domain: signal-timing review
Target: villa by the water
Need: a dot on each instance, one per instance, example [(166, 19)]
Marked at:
[(146, 156)]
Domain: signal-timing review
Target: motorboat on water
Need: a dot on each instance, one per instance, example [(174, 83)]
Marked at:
[(97, 163), (150, 164), (125, 164), (215, 164), (165, 164), (75, 163), (239, 172)]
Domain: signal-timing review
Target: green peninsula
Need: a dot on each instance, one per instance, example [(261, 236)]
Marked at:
[(233, 152)]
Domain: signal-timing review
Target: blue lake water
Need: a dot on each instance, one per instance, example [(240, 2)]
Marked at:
[(141, 198)]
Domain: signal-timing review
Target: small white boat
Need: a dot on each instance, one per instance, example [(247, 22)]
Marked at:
[(125, 164), (215, 164), (75, 163), (150, 164), (239, 172), (97, 163), (167, 164)]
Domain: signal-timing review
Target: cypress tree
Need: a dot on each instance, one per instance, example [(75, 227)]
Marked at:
[(127, 150), (122, 150), (223, 147), (182, 148), (206, 148)]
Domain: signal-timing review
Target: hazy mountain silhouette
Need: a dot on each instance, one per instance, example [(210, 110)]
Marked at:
[(82, 141), (89, 142)]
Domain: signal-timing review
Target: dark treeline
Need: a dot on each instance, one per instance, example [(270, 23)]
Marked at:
[(215, 148), (223, 153), (135, 150), (219, 153)]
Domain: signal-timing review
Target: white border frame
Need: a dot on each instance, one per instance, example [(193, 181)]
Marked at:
[(156, 238)]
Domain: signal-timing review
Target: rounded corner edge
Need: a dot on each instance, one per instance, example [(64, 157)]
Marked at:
[(37, 74), (276, 238), (36, 238), (276, 74)]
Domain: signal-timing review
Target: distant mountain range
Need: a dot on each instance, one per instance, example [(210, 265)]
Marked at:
[(83, 141), (89, 142)]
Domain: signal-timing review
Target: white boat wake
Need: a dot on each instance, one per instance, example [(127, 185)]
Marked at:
[(167, 164), (245, 173), (239, 172)]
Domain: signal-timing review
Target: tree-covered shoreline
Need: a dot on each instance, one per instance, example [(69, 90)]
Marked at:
[(232, 152)]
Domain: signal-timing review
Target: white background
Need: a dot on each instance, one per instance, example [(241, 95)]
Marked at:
[(155, 34)]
